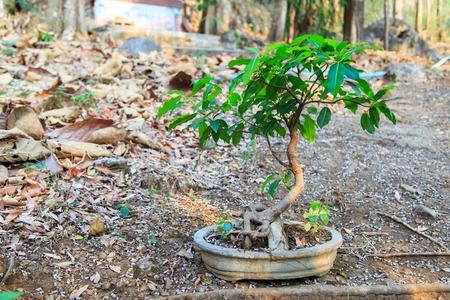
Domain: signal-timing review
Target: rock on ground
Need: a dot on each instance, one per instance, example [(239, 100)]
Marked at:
[(135, 45)]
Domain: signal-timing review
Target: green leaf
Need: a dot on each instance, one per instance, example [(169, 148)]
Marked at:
[(252, 50), (237, 134), (325, 218), (249, 69), (10, 295), (383, 91), (364, 86), (366, 123), (215, 125), (351, 72), (200, 84), (307, 226), (234, 83), (234, 98), (180, 120), (238, 62), (374, 115), (335, 77), (266, 182), (273, 187), (308, 129), (387, 112), (324, 117), (169, 105), (315, 204), (124, 211), (175, 92)]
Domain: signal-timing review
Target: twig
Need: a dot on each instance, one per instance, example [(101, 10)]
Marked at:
[(403, 254), (274, 154), (8, 271), (394, 218)]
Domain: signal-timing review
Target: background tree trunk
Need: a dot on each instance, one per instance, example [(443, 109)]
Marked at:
[(428, 18), (70, 19), (210, 20), (419, 17), (398, 9), (55, 16), (223, 16), (386, 24), (279, 20), (2, 9), (353, 20)]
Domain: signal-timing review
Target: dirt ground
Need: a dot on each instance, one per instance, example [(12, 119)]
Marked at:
[(170, 195)]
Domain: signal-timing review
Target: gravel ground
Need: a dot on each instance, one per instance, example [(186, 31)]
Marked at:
[(150, 253)]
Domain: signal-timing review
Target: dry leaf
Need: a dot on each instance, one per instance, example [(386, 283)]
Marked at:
[(65, 114), (5, 79), (64, 264), (26, 119), (17, 146), (95, 278), (97, 227), (143, 139), (185, 253), (3, 171), (53, 165), (115, 268), (109, 135), (79, 149), (80, 131), (77, 293)]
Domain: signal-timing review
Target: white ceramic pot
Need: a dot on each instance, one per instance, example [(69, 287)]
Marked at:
[(237, 264)]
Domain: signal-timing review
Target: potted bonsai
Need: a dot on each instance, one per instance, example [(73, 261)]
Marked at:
[(286, 91)]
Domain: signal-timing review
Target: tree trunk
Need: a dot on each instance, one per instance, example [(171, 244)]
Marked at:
[(419, 17), (55, 16), (81, 17), (266, 216), (210, 20), (2, 9), (428, 18), (279, 20), (70, 19), (386, 25), (353, 20), (224, 12), (398, 9)]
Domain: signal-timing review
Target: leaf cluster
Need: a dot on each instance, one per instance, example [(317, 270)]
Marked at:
[(287, 87), (317, 217)]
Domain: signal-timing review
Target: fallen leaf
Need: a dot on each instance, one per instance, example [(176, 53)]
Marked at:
[(65, 114), (115, 268), (97, 227), (26, 119), (95, 278), (64, 264), (5, 79), (79, 149), (53, 165), (17, 146), (185, 253), (80, 131), (51, 255), (77, 293)]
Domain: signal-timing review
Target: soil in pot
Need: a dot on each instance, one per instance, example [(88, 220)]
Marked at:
[(297, 238)]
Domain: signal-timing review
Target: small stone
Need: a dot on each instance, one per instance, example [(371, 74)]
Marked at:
[(105, 286), (426, 211), (143, 267), (410, 189), (136, 45)]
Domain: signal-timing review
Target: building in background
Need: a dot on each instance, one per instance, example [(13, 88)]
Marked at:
[(155, 15)]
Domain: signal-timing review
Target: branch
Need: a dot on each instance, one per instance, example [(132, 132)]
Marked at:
[(407, 254), (394, 218), (284, 164), (336, 101)]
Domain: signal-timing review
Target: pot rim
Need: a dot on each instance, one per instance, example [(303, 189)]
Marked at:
[(329, 246)]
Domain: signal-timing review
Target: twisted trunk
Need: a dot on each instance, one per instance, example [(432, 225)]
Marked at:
[(268, 219)]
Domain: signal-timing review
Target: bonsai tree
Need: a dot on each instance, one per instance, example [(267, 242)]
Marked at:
[(285, 91)]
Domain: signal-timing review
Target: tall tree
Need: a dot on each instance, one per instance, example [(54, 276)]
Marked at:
[(353, 20), (386, 24), (419, 16), (398, 9), (2, 9), (279, 20), (67, 17)]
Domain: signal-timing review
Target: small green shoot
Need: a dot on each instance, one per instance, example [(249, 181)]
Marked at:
[(10, 295), (152, 239), (224, 225), (124, 210), (317, 217), (46, 37), (86, 99)]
